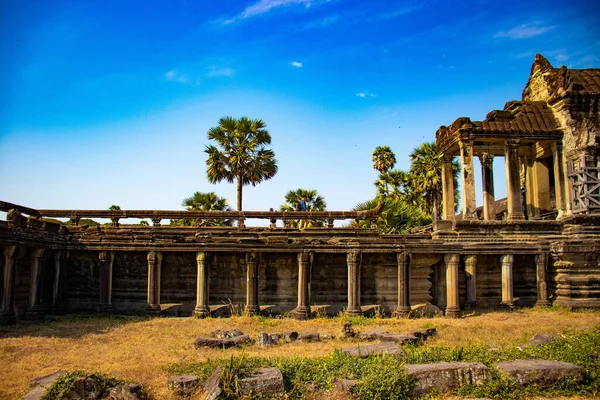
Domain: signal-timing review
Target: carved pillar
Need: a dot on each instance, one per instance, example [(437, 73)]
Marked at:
[(513, 181), (106, 264), (468, 180), (403, 308), (471, 278), (541, 261), (560, 180), (507, 280), (252, 307), (448, 188), (34, 309), (487, 177), (202, 308), (57, 305), (452, 306), (302, 311), (7, 312), (353, 259), (154, 269)]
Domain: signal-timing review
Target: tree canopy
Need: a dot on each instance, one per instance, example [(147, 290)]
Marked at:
[(240, 153), (314, 202), (204, 202), (384, 159)]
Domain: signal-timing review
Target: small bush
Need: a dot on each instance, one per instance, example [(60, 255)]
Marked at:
[(65, 384)]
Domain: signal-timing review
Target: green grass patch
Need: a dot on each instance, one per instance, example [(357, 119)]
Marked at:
[(63, 386)]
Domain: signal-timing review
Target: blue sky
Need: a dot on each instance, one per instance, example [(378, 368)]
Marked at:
[(109, 102)]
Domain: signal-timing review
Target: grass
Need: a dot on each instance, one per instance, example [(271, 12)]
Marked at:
[(147, 351)]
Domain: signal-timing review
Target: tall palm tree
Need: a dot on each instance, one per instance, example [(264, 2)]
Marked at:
[(384, 159), (426, 176), (394, 184), (314, 202), (240, 154), (204, 202)]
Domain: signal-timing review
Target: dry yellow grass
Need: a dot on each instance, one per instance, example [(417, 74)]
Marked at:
[(138, 349)]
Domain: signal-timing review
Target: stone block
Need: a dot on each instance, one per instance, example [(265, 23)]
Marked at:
[(400, 339), (541, 372), (345, 385), (372, 335), (423, 333), (446, 376), (184, 384), (47, 380), (539, 339), (309, 337), (374, 349), (265, 381), (129, 391), (290, 336), (211, 390), (425, 310), (203, 341)]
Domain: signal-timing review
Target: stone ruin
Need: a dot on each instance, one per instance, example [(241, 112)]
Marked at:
[(541, 248)]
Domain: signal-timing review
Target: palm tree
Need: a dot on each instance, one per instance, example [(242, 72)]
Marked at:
[(204, 202), (240, 154), (397, 216), (398, 180), (426, 176), (314, 202), (384, 159)]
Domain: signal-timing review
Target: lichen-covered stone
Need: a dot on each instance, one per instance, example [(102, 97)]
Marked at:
[(541, 372), (374, 349), (446, 376), (265, 381)]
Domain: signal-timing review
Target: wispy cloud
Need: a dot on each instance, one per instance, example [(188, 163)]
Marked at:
[(264, 6), (214, 71), (365, 94), (175, 76), (525, 31), (296, 64)]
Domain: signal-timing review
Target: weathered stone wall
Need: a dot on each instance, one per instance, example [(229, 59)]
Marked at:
[(329, 284), (489, 281), (130, 282), (83, 284), (22, 271)]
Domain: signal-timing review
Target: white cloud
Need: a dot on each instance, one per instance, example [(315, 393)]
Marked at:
[(175, 76), (361, 94), (296, 64), (525, 31), (264, 6), (216, 72)]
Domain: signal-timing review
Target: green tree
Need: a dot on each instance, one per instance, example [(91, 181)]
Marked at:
[(240, 154), (426, 176), (384, 159), (314, 202), (204, 202), (114, 207), (397, 216)]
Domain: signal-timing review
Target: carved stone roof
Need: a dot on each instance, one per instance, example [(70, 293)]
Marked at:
[(519, 119)]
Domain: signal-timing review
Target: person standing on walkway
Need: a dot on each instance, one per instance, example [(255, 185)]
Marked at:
[(302, 207)]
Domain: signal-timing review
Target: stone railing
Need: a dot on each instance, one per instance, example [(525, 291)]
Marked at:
[(156, 216)]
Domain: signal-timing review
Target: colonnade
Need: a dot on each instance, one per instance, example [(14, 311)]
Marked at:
[(252, 306), (537, 178)]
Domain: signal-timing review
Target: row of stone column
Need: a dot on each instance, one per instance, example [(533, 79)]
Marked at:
[(513, 183), (34, 308)]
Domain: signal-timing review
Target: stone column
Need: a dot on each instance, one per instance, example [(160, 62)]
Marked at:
[(252, 307), (448, 188), (353, 259), (541, 261), (154, 269), (302, 311), (106, 263), (507, 280), (513, 180), (560, 180), (452, 306), (471, 278), (487, 177), (34, 309), (7, 312), (403, 308), (202, 308), (469, 204)]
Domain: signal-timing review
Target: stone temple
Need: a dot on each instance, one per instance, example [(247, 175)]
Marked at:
[(540, 246)]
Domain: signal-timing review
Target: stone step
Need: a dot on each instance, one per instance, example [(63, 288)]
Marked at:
[(446, 376), (541, 372)]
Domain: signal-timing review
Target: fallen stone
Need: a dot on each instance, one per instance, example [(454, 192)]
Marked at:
[(203, 341), (40, 385), (129, 391), (275, 337), (539, 339), (374, 349), (347, 331), (425, 310), (265, 381), (400, 339), (309, 337), (290, 336), (372, 335), (326, 336), (345, 385), (446, 376), (183, 384), (423, 334), (541, 372), (263, 339), (218, 334), (235, 333), (211, 390)]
